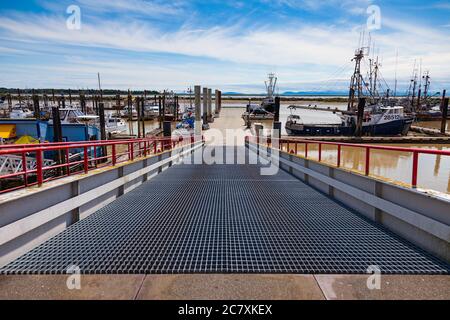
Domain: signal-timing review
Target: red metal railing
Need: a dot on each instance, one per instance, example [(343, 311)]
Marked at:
[(291, 146), (86, 156)]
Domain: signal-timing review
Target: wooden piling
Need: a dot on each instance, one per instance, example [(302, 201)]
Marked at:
[(167, 128), (143, 116), (82, 102), (9, 98), (45, 97), (101, 111), (160, 119), (276, 116), (37, 110), (164, 106), (216, 102), (130, 114), (444, 115), (57, 136), (175, 111), (205, 106), (442, 101), (139, 119), (198, 110), (210, 114), (418, 99)]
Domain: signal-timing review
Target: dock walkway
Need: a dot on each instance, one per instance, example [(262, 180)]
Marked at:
[(225, 219)]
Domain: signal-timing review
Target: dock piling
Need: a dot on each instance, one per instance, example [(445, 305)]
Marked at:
[(138, 110), (198, 110), (209, 106), (276, 117), (205, 109), (216, 102), (444, 115), (160, 112), (101, 113), (359, 121), (57, 136), (37, 111)]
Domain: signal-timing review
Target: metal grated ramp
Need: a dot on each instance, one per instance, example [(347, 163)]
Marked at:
[(225, 219)]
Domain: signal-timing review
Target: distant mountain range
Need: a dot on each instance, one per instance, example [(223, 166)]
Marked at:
[(292, 93)]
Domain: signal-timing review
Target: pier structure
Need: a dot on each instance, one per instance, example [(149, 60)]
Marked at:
[(154, 208)]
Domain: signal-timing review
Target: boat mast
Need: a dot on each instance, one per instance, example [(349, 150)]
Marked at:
[(396, 66), (270, 85), (356, 81), (426, 78)]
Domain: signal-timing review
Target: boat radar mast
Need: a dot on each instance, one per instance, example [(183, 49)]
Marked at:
[(356, 81), (271, 85)]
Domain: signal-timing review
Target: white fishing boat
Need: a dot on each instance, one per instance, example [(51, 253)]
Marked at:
[(115, 125), (20, 111), (73, 115)]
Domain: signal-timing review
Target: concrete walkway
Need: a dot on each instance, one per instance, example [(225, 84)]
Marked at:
[(221, 287)]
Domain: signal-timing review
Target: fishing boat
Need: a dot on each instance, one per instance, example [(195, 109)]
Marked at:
[(379, 117), (377, 121), (20, 111), (151, 110), (73, 115), (257, 114), (268, 103), (115, 125)]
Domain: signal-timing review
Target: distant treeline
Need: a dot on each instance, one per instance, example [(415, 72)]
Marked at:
[(4, 91)]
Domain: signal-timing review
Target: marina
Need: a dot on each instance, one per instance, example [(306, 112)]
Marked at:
[(184, 151)]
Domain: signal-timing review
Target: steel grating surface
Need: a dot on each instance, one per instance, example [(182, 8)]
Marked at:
[(225, 219)]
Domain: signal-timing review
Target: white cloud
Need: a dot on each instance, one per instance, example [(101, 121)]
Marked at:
[(300, 52)]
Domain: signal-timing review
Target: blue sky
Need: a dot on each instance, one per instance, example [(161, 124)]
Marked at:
[(227, 44)]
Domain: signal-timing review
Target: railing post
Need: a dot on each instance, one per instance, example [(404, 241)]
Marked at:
[(296, 148), (86, 163), (339, 156), (132, 151), (24, 168), (414, 169), (67, 161), (113, 151), (95, 156), (39, 174), (367, 170), (306, 150)]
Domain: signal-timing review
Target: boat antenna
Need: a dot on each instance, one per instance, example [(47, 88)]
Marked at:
[(395, 81)]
